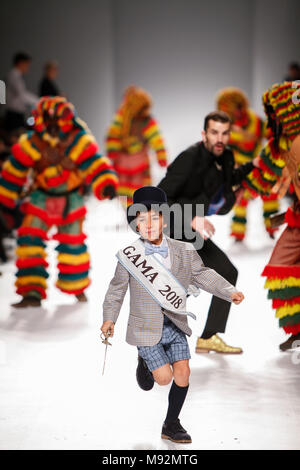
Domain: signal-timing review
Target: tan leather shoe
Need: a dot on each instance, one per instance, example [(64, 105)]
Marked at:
[(28, 301), (215, 343), (81, 297)]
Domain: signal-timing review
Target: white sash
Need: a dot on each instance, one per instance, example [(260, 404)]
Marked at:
[(158, 281)]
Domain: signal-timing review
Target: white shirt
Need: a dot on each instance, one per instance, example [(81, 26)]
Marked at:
[(18, 98), (165, 261)]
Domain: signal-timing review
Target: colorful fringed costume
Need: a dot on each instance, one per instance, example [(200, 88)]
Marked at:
[(279, 166), (248, 132), (133, 132), (61, 156)]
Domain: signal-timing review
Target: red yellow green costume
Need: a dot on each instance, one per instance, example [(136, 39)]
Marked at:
[(248, 132), (279, 165), (132, 133), (59, 167)]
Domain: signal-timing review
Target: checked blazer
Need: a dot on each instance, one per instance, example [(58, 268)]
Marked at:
[(145, 320)]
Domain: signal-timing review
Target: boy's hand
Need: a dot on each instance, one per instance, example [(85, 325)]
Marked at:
[(203, 226), (108, 328), (237, 297)]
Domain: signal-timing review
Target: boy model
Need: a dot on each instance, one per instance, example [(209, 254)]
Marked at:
[(159, 271)]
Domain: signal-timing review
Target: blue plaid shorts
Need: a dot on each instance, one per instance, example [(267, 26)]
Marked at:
[(172, 347)]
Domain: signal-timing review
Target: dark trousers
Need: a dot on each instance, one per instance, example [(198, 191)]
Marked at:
[(13, 121), (213, 257)]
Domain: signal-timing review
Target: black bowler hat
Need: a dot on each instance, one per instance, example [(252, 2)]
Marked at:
[(145, 196)]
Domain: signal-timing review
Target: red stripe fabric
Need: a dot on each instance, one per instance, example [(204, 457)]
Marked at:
[(24, 289), (107, 182), (69, 238), (131, 171), (30, 262), (90, 150), (293, 329), (277, 303), (37, 232), (72, 268), (7, 201), (103, 166), (292, 218), (60, 179), (21, 156), (28, 208), (12, 178), (281, 272)]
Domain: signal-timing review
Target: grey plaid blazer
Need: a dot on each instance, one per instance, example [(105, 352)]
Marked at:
[(145, 321)]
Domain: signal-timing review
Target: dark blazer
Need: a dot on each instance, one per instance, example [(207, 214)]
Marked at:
[(196, 176)]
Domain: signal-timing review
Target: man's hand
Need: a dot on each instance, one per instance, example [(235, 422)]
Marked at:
[(108, 328), (237, 297), (203, 226)]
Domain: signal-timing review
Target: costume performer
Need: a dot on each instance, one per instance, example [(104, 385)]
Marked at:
[(204, 174), (61, 155), (247, 133), (278, 167), (133, 132), (157, 268)]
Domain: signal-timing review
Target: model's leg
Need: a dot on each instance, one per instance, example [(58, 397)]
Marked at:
[(213, 257), (163, 375), (283, 273), (172, 428), (239, 219), (270, 206), (31, 263), (179, 389), (73, 259)]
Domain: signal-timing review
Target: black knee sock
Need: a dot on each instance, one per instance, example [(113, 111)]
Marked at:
[(176, 399), (207, 334)]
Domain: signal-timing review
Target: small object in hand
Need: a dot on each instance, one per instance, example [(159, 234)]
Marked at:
[(107, 343)]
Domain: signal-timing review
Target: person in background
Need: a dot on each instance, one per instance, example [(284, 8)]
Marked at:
[(131, 136), (18, 98), (205, 174), (48, 86), (248, 131), (293, 72)]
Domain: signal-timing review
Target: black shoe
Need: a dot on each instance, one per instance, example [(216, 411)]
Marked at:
[(143, 375), (175, 432), (288, 344)]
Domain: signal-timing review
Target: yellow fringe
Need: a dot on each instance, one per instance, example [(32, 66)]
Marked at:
[(8, 193), (238, 228), (270, 205), (28, 148), (14, 171), (81, 144), (287, 310), (72, 285), (240, 211), (103, 178), (66, 258), (273, 284), (26, 280), (30, 251)]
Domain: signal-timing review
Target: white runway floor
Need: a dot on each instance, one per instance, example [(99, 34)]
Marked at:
[(52, 393)]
